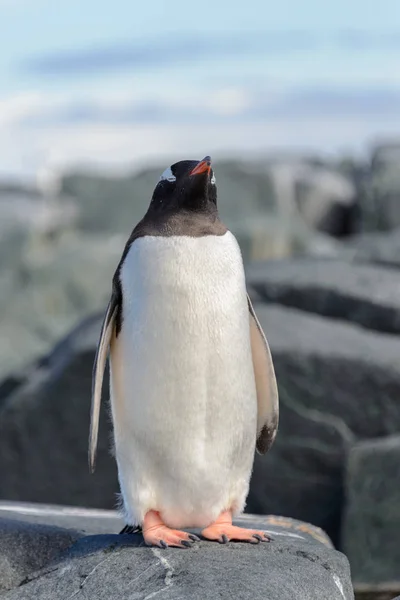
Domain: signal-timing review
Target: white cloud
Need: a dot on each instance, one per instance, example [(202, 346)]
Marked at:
[(226, 128)]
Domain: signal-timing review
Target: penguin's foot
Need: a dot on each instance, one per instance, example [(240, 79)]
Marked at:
[(155, 533), (223, 531)]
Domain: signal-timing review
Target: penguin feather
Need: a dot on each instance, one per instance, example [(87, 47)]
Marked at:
[(98, 375), (267, 390)]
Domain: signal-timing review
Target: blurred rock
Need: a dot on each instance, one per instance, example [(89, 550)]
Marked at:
[(336, 368), (301, 565), (337, 383), (324, 197), (364, 294), (377, 248), (27, 209), (301, 193), (53, 285), (44, 425), (371, 528), (384, 186)]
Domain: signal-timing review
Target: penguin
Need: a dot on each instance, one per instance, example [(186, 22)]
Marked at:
[(192, 384)]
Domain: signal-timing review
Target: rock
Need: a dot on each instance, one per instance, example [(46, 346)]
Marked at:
[(336, 368), (320, 194), (371, 528), (301, 565), (384, 186), (364, 294), (330, 394), (377, 248), (87, 521), (44, 426), (25, 548), (323, 196), (377, 592), (55, 284)]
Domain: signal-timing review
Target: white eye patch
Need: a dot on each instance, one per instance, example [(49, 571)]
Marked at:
[(168, 175), (213, 180)]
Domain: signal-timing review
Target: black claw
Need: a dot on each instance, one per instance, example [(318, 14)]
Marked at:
[(186, 543), (268, 538), (163, 544), (252, 540), (224, 539), (194, 538), (130, 529), (258, 537)]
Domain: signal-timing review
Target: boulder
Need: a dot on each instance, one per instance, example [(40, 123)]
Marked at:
[(371, 527), (384, 186), (55, 284), (377, 248), (337, 383), (335, 368), (364, 294), (44, 425), (300, 564), (25, 548), (294, 188)]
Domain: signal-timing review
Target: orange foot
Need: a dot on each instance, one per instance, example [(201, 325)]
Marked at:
[(155, 533), (223, 531)]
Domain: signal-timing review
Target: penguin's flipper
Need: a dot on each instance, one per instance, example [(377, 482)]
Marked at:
[(98, 374), (267, 390)]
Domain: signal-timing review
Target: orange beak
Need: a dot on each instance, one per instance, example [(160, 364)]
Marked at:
[(203, 166)]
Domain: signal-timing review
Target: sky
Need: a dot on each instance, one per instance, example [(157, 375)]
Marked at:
[(126, 83)]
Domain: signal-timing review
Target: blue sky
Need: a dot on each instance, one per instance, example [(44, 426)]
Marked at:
[(126, 82)]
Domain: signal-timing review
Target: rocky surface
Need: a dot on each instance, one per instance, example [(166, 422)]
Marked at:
[(299, 564), (44, 424), (298, 187), (376, 248), (371, 528), (364, 294), (26, 548)]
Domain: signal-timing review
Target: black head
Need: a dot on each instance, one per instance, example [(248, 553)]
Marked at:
[(188, 185)]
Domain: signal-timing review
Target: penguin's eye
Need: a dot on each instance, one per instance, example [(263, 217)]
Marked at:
[(168, 175)]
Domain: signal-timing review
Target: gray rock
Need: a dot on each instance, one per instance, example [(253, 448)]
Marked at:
[(377, 248), (384, 186), (25, 548), (301, 565), (44, 426), (364, 294), (296, 186), (336, 368), (55, 284), (371, 528), (337, 383), (277, 218), (88, 521)]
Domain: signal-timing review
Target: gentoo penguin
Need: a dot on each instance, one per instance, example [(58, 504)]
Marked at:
[(192, 384)]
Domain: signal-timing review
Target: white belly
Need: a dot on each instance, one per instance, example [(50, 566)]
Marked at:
[(183, 390)]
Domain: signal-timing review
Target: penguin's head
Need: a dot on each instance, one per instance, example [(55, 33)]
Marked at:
[(187, 185)]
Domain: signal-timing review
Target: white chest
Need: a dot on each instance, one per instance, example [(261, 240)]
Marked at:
[(185, 332)]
